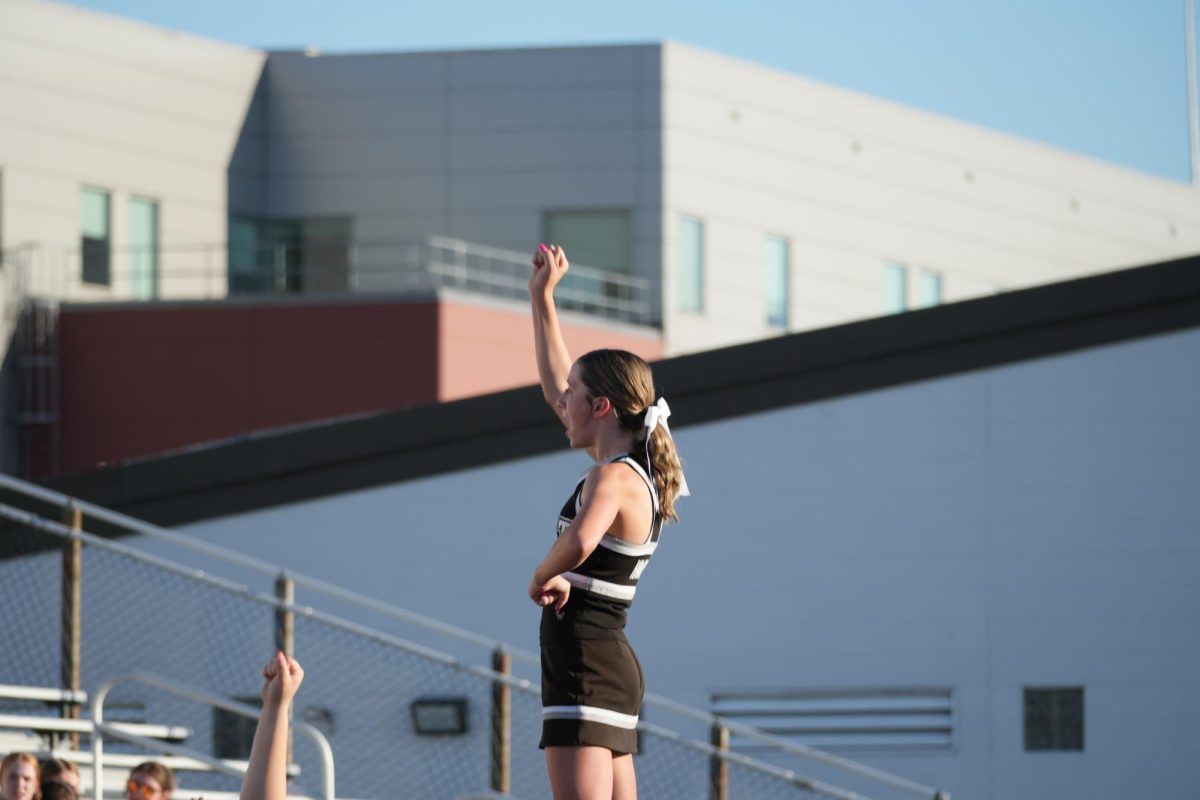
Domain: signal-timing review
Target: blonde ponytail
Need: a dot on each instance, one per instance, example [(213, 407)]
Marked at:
[(626, 380), (665, 467)]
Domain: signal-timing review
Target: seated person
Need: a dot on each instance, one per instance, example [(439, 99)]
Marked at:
[(57, 770), (54, 790), (150, 780), (20, 777)]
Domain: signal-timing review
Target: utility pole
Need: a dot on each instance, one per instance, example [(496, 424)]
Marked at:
[(1193, 119)]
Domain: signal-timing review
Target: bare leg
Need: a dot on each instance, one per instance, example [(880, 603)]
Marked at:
[(624, 781), (580, 773)]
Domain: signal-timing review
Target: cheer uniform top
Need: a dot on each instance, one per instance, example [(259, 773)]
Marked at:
[(592, 683)]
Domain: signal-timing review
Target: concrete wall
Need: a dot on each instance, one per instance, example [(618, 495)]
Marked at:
[(96, 100), (855, 182), (1021, 526)]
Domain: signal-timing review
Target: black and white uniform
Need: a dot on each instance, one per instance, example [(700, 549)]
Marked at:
[(592, 683)]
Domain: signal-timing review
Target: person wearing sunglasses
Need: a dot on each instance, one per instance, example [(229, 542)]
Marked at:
[(150, 780), (266, 771)]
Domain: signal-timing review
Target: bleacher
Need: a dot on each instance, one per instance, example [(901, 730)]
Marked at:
[(45, 735)]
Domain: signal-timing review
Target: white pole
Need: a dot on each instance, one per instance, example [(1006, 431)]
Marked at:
[(1193, 119)]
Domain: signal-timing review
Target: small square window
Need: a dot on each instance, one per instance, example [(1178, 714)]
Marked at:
[(232, 733), (599, 239), (1054, 719)]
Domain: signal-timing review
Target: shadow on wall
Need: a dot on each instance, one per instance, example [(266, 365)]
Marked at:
[(29, 393), (269, 253)]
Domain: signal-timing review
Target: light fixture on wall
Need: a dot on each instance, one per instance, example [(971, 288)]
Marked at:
[(439, 716)]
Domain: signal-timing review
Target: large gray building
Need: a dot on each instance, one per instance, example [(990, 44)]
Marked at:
[(140, 162)]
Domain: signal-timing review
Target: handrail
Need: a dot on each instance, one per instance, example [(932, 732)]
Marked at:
[(343, 265), (102, 729), (44, 694), (59, 725), (387, 609), (249, 562)]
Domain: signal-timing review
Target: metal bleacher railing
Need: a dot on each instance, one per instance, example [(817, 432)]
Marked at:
[(147, 613), (162, 743)]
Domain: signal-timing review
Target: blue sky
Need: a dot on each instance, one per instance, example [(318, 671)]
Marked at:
[(1104, 78)]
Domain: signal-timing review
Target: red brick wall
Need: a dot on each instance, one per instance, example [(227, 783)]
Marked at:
[(138, 380), (485, 349)]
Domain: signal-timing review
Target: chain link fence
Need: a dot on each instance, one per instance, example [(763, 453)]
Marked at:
[(143, 613)]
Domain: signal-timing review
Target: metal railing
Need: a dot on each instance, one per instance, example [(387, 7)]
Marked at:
[(717, 724), (102, 729), (318, 267), (669, 750)]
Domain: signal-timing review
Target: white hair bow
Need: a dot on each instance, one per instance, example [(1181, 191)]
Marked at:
[(656, 415)]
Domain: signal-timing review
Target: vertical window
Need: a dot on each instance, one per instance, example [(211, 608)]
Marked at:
[(929, 288), (777, 281), (249, 257), (1054, 719), (232, 734), (143, 248), (896, 287), (600, 239), (690, 273), (95, 235)]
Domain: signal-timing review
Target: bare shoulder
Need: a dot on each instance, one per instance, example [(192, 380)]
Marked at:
[(612, 477)]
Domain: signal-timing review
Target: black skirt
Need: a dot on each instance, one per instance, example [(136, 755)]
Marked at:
[(591, 694)]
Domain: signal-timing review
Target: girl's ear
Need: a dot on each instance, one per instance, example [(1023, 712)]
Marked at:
[(600, 407)]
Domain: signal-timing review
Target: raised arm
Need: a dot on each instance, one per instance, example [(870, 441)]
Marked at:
[(266, 774), (553, 360)]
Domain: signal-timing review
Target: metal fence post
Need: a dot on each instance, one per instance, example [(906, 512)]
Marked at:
[(501, 723), (719, 770), (72, 613), (285, 632)]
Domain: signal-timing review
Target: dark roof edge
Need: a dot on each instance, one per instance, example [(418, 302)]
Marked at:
[(274, 468)]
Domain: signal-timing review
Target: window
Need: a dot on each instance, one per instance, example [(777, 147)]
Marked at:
[(899, 718), (690, 274), (896, 287), (600, 239), (232, 733), (95, 234), (300, 255), (929, 288), (777, 281), (143, 248), (1054, 718)]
